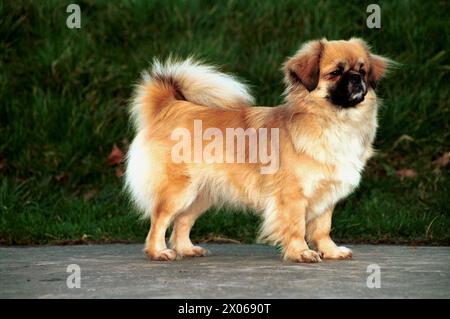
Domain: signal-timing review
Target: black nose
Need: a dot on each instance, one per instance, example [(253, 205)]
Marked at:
[(355, 78)]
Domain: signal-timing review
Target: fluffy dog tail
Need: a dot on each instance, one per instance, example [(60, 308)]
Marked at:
[(185, 80)]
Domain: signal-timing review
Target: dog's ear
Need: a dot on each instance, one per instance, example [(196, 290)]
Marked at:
[(378, 68), (378, 65), (303, 67)]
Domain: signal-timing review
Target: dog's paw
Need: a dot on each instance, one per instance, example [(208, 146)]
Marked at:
[(162, 255), (340, 252), (192, 251), (305, 256)]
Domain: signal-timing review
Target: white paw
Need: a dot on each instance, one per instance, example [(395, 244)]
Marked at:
[(340, 252)]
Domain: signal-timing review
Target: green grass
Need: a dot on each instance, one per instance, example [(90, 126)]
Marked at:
[(64, 95)]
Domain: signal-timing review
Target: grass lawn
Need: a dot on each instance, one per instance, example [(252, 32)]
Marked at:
[(64, 92)]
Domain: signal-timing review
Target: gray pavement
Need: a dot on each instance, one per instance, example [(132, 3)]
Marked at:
[(231, 271)]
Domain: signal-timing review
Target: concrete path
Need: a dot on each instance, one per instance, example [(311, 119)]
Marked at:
[(231, 271)]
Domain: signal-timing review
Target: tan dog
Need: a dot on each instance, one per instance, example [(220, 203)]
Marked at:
[(324, 137)]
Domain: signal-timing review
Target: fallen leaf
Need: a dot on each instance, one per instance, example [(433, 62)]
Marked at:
[(406, 172), (62, 178), (116, 156), (89, 195), (443, 160), (119, 171)]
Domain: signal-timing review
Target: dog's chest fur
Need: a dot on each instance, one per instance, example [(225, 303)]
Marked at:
[(342, 151)]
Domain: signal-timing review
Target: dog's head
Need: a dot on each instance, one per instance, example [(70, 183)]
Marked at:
[(340, 71)]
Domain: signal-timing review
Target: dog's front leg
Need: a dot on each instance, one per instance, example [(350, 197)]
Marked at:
[(292, 230), (318, 232)]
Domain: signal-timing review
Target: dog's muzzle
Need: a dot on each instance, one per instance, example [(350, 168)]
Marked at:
[(357, 89)]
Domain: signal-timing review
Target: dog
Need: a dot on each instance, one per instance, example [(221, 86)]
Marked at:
[(325, 130)]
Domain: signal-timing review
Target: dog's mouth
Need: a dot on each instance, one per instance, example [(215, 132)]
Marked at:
[(349, 97), (356, 97)]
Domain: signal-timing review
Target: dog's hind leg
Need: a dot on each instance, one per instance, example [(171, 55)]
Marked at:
[(183, 223), (155, 244), (169, 202)]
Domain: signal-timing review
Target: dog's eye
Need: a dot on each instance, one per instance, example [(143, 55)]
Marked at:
[(336, 72), (362, 72)]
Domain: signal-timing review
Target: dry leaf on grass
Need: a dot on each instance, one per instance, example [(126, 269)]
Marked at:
[(116, 156), (443, 160), (406, 172), (119, 171), (62, 178), (89, 195)]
